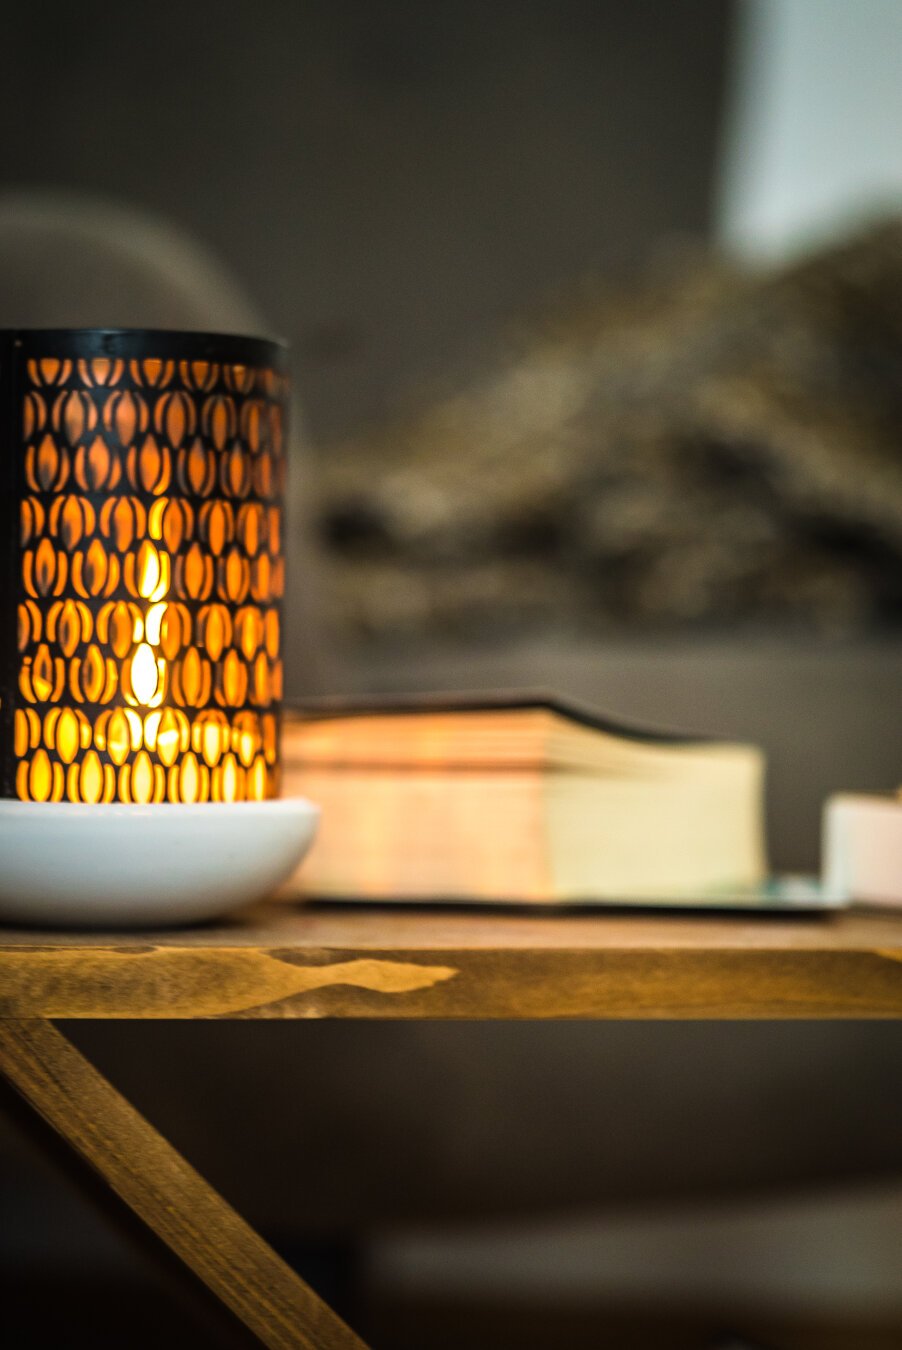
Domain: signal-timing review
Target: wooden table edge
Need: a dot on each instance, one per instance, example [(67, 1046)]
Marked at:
[(257, 981)]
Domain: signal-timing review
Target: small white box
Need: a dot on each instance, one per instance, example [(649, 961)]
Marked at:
[(862, 847)]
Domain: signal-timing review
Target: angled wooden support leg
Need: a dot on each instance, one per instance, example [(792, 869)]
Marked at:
[(165, 1192)]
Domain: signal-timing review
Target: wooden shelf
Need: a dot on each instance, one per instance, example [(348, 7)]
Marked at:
[(292, 959)]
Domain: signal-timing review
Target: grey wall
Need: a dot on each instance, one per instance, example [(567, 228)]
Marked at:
[(390, 181)]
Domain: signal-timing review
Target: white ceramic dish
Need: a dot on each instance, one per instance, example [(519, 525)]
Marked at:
[(134, 866)]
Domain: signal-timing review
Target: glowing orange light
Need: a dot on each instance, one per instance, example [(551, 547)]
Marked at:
[(149, 579)]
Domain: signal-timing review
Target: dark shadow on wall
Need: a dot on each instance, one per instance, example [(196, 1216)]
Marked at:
[(387, 182)]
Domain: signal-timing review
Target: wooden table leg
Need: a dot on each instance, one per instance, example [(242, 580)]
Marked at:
[(165, 1192)]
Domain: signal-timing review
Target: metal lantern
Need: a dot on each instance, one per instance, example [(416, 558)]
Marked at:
[(142, 566)]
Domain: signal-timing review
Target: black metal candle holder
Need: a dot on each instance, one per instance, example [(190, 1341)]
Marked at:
[(142, 569)]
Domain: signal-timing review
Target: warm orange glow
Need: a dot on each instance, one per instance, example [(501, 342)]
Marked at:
[(90, 780), (148, 626), (147, 668), (48, 466), (118, 738), (198, 573), (228, 779), (210, 737), (40, 777), (189, 779), (146, 675), (67, 736), (42, 674), (22, 739)]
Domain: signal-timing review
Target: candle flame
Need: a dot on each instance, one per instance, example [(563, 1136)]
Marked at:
[(153, 572), (149, 576), (147, 673), (147, 676)]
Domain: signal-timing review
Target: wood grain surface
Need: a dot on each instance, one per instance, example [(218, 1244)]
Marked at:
[(293, 960), (165, 1192)]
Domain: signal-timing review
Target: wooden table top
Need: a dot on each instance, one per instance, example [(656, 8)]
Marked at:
[(287, 959)]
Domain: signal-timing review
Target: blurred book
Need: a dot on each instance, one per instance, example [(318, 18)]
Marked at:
[(520, 798), (862, 847)]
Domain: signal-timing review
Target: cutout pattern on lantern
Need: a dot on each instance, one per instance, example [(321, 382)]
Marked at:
[(151, 576)]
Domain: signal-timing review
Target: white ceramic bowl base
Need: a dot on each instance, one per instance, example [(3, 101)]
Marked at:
[(132, 866)]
